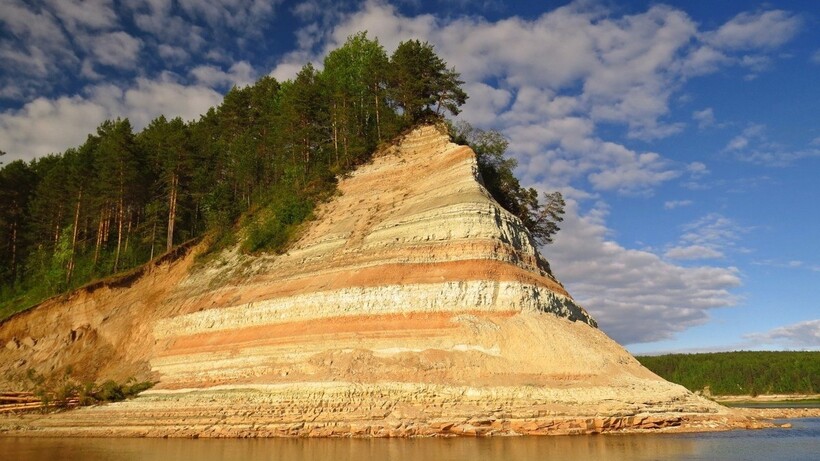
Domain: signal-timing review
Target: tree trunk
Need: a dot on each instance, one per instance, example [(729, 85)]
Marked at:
[(14, 249), (99, 235), (172, 211), (70, 269), (378, 121), (153, 235), (120, 219), (335, 132), (128, 229)]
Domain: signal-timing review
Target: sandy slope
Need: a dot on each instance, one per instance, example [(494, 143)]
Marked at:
[(413, 305)]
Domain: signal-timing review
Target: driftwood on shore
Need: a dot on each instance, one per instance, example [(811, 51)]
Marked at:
[(18, 402)]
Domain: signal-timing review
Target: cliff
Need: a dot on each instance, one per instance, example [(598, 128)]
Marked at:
[(412, 305)]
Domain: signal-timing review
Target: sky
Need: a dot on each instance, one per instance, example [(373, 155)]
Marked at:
[(684, 135)]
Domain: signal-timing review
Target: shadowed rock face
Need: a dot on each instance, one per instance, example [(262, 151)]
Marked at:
[(412, 305)]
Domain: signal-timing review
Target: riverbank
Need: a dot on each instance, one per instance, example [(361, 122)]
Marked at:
[(390, 411), (739, 400)]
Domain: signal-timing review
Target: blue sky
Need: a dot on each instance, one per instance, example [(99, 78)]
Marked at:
[(685, 135)]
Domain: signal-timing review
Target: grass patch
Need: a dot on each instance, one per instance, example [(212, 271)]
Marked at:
[(66, 392)]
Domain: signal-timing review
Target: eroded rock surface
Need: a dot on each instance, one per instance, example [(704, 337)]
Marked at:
[(412, 305)]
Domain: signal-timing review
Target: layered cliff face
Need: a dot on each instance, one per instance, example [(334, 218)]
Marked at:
[(412, 305)]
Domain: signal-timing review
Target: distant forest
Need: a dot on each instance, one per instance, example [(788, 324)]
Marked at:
[(741, 373)]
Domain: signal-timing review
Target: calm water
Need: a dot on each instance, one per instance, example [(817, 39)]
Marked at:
[(802, 442)]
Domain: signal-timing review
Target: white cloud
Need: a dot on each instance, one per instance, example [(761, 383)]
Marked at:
[(239, 74), (764, 29), (231, 13), (708, 237), (115, 49), (802, 335), (484, 103), (692, 252), (713, 230), (697, 169), (40, 49), (752, 132), (815, 58), (173, 54), (705, 117), (84, 14), (635, 295), (46, 126), (790, 264), (672, 204), (753, 146), (636, 173), (778, 157)]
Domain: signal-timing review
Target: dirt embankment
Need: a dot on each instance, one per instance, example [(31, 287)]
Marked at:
[(101, 331)]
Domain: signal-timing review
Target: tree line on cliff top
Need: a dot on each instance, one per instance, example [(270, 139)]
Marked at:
[(258, 162)]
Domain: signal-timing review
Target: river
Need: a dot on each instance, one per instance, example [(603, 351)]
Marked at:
[(801, 442)]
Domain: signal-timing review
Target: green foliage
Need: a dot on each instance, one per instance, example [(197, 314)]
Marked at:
[(497, 174), (254, 166), (420, 82), (65, 391), (741, 373), (278, 223)]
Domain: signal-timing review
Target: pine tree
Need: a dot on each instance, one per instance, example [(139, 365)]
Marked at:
[(118, 180), (420, 81), (17, 184)]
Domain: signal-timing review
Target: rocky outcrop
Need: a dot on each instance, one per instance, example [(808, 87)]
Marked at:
[(412, 305)]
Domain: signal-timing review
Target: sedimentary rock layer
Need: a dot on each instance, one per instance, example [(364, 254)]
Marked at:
[(412, 305)]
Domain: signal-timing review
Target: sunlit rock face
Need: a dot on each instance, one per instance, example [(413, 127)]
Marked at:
[(413, 257), (413, 304)]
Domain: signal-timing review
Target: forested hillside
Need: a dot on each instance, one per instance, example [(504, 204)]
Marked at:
[(248, 172), (262, 158), (741, 373)]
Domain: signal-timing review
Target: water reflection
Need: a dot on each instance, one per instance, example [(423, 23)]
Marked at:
[(798, 443), (517, 448)]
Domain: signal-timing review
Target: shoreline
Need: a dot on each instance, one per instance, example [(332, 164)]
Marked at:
[(32, 426), (248, 413), (765, 398)]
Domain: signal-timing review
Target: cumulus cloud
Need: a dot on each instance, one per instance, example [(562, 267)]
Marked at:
[(692, 252), (46, 126), (763, 29), (115, 49), (802, 335), (753, 146), (712, 228), (239, 74), (77, 15), (231, 13), (672, 204), (635, 295), (51, 39), (708, 237), (753, 132), (790, 264), (705, 117), (697, 169)]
